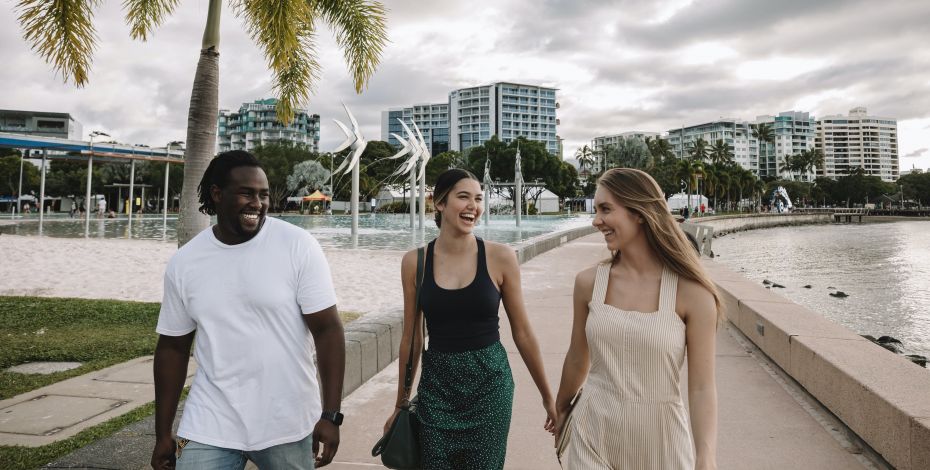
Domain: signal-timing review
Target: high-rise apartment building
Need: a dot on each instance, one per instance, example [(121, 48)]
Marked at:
[(508, 110), (60, 125), (257, 124), (858, 141), (735, 133), (599, 143), (431, 119), (794, 132)]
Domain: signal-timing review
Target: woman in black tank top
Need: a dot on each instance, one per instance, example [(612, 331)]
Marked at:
[(465, 395)]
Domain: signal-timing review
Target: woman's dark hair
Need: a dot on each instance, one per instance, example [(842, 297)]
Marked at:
[(446, 181), (218, 174)]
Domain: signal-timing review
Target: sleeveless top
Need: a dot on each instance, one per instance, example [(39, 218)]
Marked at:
[(631, 413), (460, 319)]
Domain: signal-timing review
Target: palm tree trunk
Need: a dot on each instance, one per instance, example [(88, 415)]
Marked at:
[(201, 127)]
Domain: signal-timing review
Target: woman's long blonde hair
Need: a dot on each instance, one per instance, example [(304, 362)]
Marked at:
[(640, 194)]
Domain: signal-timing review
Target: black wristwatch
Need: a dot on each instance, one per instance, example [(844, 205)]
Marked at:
[(334, 417)]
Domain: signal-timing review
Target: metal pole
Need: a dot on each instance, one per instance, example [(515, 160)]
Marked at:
[(19, 194), (42, 190), (132, 202), (518, 188), (413, 202), (353, 204), (422, 199), (90, 168), (164, 216)]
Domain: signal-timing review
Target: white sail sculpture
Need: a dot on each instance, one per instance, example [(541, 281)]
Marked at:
[(416, 147), (357, 143)]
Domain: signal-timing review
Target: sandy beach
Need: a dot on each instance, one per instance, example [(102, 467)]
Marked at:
[(365, 280)]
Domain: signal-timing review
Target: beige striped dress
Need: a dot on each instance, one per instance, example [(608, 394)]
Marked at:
[(630, 414)]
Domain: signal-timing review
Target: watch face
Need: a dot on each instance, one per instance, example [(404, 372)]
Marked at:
[(333, 416)]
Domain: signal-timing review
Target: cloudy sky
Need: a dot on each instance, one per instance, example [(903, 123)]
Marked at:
[(622, 65)]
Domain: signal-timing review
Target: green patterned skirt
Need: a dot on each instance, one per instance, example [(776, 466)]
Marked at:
[(464, 407)]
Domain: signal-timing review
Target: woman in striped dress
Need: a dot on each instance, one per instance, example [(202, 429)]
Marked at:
[(636, 316)]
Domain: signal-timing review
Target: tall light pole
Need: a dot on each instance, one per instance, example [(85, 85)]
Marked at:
[(19, 193), (90, 167), (518, 186)]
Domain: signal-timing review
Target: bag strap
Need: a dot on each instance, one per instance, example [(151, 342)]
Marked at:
[(408, 380)]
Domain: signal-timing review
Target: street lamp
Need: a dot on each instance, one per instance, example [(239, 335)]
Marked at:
[(90, 167)]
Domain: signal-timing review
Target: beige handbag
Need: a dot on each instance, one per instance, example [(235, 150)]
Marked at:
[(562, 444)]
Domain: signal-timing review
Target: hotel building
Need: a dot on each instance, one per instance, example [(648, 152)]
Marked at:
[(858, 141), (431, 119), (257, 124)]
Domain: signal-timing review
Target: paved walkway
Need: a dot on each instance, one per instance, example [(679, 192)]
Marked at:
[(765, 421)]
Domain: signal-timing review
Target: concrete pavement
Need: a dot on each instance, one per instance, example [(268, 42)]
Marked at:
[(765, 421)]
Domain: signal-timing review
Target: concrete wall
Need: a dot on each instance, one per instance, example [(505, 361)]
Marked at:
[(882, 397), (724, 224), (373, 340)]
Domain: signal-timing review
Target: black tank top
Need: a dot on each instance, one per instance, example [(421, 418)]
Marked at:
[(460, 319)]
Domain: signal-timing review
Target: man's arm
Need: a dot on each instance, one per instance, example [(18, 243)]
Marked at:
[(171, 357), (329, 338)]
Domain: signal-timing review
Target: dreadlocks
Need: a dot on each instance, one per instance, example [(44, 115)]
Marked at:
[(218, 173)]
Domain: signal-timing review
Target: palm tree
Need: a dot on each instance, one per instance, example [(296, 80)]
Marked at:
[(764, 135), (62, 33), (746, 180), (585, 156), (659, 148), (720, 152), (698, 150), (758, 189), (689, 171)]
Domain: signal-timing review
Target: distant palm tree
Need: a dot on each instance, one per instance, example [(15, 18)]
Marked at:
[(764, 135), (62, 32), (689, 171), (721, 152), (746, 181), (698, 150), (659, 148), (585, 156)]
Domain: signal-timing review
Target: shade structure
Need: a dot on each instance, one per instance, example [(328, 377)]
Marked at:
[(317, 196)]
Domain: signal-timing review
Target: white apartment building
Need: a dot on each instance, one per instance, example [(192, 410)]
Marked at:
[(257, 124), (858, 140), (735, 133), (794, 132), (508, 110), (431, 119), (599, 143)]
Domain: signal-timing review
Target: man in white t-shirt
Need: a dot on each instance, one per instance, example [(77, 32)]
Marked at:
[(259, 295)]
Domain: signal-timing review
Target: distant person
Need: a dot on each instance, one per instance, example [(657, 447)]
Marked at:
[(101, 207), (259, 295), (637, 317), (685, 212), (465, 395), (703, 208), (26, 208)]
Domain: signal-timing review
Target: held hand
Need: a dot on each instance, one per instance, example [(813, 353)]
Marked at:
[(390, 421), (163, 456), (325, 433), (559, 423), (549, 426)]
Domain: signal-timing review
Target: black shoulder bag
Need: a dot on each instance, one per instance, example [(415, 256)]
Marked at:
[(400, 447)]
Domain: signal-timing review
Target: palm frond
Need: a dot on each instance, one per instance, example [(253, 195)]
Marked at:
[(285, 32), (143, 16), (62, 33), (361, 32)]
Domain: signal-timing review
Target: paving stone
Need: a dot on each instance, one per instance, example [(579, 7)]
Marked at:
[(48, 414), (44, 367)]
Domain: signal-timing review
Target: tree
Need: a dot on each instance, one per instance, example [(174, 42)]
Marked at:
[(916, 186), (698, 150), (721, 152), (62, 32), (660, 149), (440, 163), (536, 163), (9, 176), (689, 170), (764, 136), (278, 160), (307, 176), (665, 172), (630, 152), (585, 156)]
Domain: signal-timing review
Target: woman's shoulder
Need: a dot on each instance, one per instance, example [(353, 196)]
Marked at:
[(499, 251), (693, 298), (585, 278)]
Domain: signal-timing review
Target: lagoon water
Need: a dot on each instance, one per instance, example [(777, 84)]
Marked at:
[(378, 231), (884, 267)]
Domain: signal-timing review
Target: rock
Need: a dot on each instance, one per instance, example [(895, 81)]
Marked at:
[(766, 282), (918, 359), (808, 286), (888, 340), (831, 288), (839, 294), (778, 285)]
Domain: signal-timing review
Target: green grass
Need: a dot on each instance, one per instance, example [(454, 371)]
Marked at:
[(99, 333)]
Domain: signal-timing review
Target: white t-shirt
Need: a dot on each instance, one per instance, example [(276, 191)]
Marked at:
[(256, 385)]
